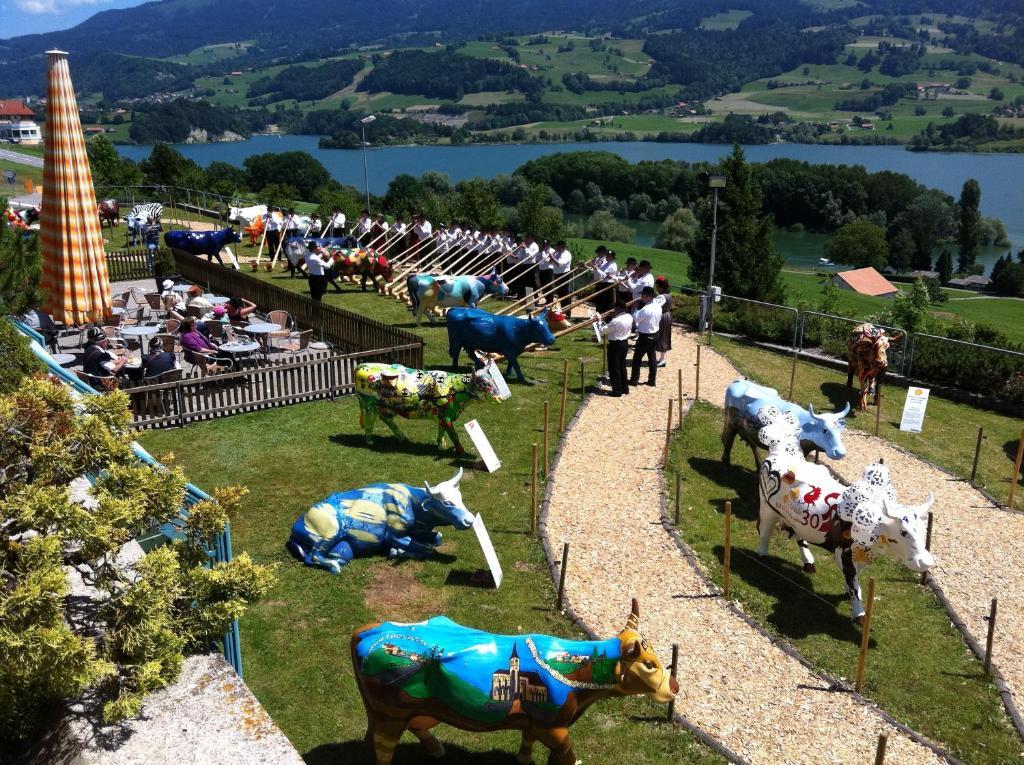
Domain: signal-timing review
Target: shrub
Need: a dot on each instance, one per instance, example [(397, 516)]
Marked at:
[(18, 359)]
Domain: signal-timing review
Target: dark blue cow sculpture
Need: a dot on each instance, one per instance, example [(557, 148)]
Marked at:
[(473, 329), (208, 243)]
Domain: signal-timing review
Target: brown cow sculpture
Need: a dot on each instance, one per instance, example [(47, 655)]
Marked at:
[(867, 356), (109, 212), (415, 676)]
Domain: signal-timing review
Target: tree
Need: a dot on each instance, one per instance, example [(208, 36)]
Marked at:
[(1008, 276), (298, 169), (20, 269), (678, 231), (747, 265), (280, 196), (168, 167), (993, 233), (859, 243), (911, 309), (108, 167), (969, 231), (476, 202), (224, 178), (604, 226), (944, 265), (901, 250), (535, 216), (929, 219)]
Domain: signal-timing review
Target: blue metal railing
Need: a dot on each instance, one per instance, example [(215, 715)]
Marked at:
[(221, 550)]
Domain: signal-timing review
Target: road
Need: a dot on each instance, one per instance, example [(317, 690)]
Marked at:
[(22, 159)]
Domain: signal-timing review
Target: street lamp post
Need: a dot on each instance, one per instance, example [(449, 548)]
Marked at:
[(366, 176), (715, 182)]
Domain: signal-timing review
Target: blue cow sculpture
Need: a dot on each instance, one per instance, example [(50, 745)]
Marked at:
[(428, 290), (383, 517), (208, 243), (474, 330), (749, 407)]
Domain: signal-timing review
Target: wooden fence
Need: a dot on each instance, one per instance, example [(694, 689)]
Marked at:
[(194, 399), (128, 265), (347, 330)]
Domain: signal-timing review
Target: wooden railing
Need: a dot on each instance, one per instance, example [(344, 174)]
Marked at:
[(195, 399), (346, 330), (128, 265)]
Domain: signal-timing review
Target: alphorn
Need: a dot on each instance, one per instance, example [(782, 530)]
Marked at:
[(582, 300), (423, 268), (516, 270), (545, 292), (583, 324), (407, 255), (460, 263)]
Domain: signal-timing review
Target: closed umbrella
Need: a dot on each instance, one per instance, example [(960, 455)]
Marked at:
[(70, 240)]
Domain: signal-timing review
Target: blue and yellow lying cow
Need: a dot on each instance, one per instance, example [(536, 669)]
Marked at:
[(383, 517)]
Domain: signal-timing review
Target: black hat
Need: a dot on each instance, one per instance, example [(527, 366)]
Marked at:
[(601, 249), (96, 334)]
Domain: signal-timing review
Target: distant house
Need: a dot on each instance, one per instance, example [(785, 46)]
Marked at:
[(17, 123), (924, 274), (976, 283), (865, 281)]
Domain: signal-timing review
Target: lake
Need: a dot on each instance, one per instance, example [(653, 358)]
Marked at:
[(999, 174)]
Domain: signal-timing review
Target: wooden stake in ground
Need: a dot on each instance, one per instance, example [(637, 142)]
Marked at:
[(670, 712), (679, 379), (977, 453), (883, 741), (878, 412), (991, 635), (696, 385), (668, 434), (792, 377), (583, 385), (1016, 469), (565, 393), (533, 491), (561, 575), (927, 544), (546, 418), (727, 555), (865, 635), (679, 488)]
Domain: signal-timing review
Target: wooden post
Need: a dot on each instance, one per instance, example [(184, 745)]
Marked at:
[(878, 412), (604, 356), (546, 406), (533, 492), (883, 741), (668, 434), (727, 556), (670, 712), (977, 453), (1016, 469), (865, 635), (565, 392), (792, 377), (561, 575), (679, 396), (679, 486), (927, 544), (696, 385), (991, 635), (583, 385)]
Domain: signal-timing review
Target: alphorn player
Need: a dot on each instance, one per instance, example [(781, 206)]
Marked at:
[(617, 331), (648, 327), (605, 271), (363, 226), (336, 224), (561, 262)]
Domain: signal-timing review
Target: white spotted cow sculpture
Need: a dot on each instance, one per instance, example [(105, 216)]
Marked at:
[(855, 523)]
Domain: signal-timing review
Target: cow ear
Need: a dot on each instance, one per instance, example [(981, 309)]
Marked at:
[(632, 649)]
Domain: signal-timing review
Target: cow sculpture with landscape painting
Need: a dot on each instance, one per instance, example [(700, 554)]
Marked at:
[(393, 518), (868, 358), (427, 291), (855, 523), (392, 390), (749, 407), (416, 676), (475, 330)]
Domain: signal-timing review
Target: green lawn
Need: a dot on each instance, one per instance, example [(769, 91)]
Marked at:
[(23, 171), (917, 663), (725, 20), (295, 643), (950, 430)]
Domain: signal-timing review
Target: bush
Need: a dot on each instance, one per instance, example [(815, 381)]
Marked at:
[(18, 359), (603, 225)]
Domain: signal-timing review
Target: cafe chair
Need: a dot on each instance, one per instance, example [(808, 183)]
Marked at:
[(105, 384), (158, 403), (297, 342)]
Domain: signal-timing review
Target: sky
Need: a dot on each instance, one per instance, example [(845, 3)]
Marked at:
[(25, 17)]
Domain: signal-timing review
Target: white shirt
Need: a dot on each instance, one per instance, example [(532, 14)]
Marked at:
[(531, 252), (30, 319), (272, 224), (315, 265), (290, 223), (618, 328), (423, 230), (363, 226), (545, 263), (648, 319), (563, 260), (337, 221), (637, 284), (604, 270), (398, 229)]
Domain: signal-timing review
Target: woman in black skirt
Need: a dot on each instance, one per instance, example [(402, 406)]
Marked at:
[(664, 297)]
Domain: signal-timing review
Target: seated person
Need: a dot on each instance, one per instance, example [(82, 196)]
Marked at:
[(196, 299), (97, 360), (42, 323), (238, 309), (195, 344), (158, 361), (172, 301)]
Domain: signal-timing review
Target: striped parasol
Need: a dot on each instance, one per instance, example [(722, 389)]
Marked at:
[(70, 240)]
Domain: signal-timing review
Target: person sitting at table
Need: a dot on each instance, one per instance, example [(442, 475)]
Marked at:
[(196, 299), (238, 309), (201, 350), (172, 300), (158, 361), (98, 361), (42, 323)]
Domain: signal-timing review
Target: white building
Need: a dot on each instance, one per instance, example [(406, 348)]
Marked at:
[(17, 123)]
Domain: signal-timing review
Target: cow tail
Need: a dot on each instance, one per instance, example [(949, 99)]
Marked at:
[(410, 284)]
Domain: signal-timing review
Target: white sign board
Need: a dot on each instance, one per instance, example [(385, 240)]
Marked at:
[(483, 446), (489, 554), (913, 410), (504, 391)]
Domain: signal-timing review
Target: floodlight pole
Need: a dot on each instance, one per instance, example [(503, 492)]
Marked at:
[(366, 176), (716, 182)]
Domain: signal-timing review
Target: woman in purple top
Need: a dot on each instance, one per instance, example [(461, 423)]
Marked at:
[(195, 344)]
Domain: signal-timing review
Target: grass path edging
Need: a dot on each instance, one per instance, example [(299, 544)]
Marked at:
[(554, 566)]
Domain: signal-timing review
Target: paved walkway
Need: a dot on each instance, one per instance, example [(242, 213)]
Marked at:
[(21, 159)]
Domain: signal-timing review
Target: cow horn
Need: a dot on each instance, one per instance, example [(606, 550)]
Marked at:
[(846, 411), (925, 506), (458, 476), (810, 409), (633, 620)]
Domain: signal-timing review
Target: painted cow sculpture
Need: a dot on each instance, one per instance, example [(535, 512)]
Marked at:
[(393, 518), (474, 330), (416, 676), (208, 243), (749, 407), (868, 358), (390, 390), (365, 264), (855, 523), (247, 216), (109, 212), (427, 291)]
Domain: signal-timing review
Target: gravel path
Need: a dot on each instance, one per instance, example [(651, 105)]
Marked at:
[(735, 683)]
